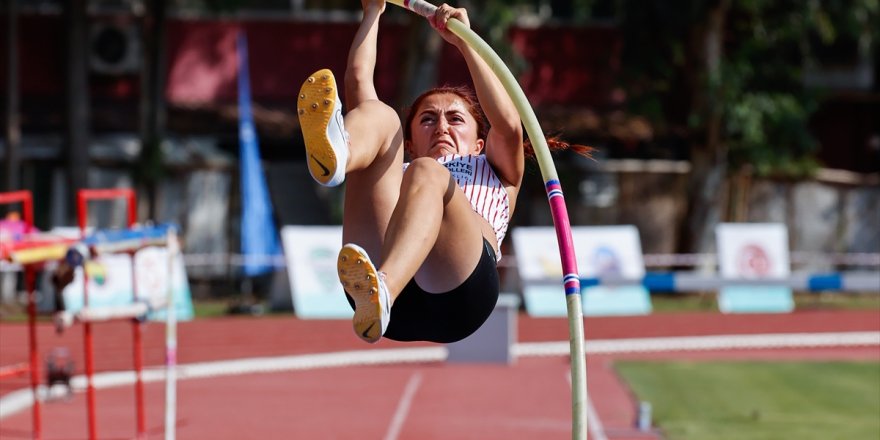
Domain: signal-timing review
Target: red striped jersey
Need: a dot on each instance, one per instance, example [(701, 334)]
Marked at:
[(483, 188)]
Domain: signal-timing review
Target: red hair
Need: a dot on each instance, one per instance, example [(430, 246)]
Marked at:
[(556, 144), (473, 107), (470, 104)]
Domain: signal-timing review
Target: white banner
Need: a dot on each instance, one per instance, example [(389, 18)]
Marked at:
[(600, 251), (310, 252), (754, 251)]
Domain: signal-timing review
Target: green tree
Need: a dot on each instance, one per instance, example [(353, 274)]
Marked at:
[(727, 77)]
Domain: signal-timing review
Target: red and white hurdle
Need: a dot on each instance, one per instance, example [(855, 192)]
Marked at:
[(32, 251)]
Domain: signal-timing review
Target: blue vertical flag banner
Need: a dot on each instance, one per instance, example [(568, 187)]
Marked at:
[(259, 240)]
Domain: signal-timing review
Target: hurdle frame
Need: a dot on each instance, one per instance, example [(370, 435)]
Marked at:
[(84, 196), (25, 198)]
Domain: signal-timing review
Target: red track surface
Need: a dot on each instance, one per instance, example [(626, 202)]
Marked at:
[(433, 400)]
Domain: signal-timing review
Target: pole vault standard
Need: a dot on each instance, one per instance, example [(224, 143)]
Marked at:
[(571, 279)]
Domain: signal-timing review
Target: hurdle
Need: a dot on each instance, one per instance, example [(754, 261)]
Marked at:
[(129, 241), (84, 196), (26, 200), (34, 250)]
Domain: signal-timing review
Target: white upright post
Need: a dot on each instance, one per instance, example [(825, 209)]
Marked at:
[(171, 341)]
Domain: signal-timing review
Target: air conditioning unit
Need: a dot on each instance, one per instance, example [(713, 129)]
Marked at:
[(114, 47)]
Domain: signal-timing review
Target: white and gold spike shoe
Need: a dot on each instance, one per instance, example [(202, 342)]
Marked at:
[(362, 282), (323, 128)]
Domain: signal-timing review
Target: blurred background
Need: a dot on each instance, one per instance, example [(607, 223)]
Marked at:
[(702, 112)]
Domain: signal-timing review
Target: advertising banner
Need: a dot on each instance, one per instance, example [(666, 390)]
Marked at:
[(602, 251), (754, 251), (310, 252)]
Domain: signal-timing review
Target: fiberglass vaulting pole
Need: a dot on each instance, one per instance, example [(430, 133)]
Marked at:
[(571, 280)]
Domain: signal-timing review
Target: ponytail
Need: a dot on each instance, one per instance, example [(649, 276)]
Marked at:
[(555, 144)]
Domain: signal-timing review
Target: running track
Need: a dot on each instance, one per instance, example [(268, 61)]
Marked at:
[(289, 392)]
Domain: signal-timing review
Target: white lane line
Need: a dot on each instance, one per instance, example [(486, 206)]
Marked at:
[(594, 423), (16, 401), (403, 407)]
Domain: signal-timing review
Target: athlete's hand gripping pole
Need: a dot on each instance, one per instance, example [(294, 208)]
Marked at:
[(571, 279)]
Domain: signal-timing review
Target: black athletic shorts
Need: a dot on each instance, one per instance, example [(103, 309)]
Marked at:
[(446, 317)]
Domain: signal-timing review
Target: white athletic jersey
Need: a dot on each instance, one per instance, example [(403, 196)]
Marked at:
[(483, 188)]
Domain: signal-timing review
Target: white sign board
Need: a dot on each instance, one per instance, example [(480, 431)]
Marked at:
[(600, 251), (754, 251), (310, 252)]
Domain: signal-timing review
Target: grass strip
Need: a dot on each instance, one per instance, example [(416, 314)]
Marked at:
[(759, 400)]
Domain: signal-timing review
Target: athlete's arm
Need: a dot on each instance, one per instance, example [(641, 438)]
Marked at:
[(505, 139), (359, 86)]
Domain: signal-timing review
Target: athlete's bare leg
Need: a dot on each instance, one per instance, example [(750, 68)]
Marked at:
[(375, 167), (434, 234), (373, 175)]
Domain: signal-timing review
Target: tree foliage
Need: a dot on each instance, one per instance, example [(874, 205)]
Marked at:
[(755, 88)]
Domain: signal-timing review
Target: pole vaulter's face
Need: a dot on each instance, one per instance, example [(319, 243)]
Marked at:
[(443, 125)]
